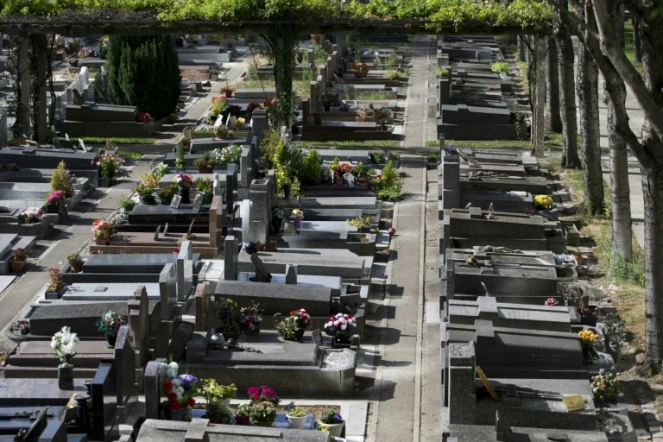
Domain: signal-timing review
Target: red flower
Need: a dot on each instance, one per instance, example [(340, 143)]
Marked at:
[(172, 397), (167, 386), (192, 402), (345, 167), (254, 392), (175, 406)]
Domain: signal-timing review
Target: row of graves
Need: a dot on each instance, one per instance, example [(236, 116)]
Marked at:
[(477, 97), (524, 353), (197, 309)]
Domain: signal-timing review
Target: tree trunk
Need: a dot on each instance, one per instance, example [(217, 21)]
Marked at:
[(522, 49), (283, 46), (49, 77), (620, 198), (540, 95), (23, 111), (553, 119), (636, 39), (570, 157), (652, 189), (587, 87), (38, 65)]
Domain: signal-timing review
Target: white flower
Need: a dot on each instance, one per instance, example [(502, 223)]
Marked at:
[(343, 327), (176, 383)]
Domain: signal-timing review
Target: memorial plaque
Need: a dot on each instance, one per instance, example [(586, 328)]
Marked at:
[(175, 203), (156, 233), (198, 201), (165, 230)]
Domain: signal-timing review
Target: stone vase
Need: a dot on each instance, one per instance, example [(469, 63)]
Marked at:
[(111, 339), (185, 193), (66, 377)]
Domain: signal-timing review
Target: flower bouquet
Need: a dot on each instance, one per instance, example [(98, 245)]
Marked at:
[(55, 283), (250, 319), (56, 197), (543, 202), (587, 340), (109, 165), (179, 390), (605, 386), (102, 231), (21, 327), (31, 215), (293, 327), (550, 302), (142, 117), (359, 69), (109, 324), (64, 345), (183, 181), (341, 327)]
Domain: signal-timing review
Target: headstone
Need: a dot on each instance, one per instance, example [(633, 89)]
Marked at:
[(262, 274), (202, 301), (198, 202), (152, 389), (156, 233), (139, 328), (175, 203), (260, 211), (165, 230), (168, 291), (184, 268), (178, 343), (311, 56), (290, 274), (317, 336), (259, 123), (230, 264)]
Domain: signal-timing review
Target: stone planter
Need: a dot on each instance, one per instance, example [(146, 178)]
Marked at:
[(106, 182), (296, 423), (56, 295), (65, 377), (17, 266), (335, 430)]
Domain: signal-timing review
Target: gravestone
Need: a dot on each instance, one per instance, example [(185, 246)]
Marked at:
[(230, 264), (3, 128), (125, 371), (184, 271), (168, 291), (259, 211), (262, 274), (139, 329), (290, 274)]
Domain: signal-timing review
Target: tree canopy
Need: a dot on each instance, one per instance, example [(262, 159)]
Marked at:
[(430, 15)]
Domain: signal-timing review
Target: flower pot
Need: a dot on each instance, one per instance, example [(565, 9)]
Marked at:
[(106, 182), (166, 202), (297, 223), (296, 423), (172, 118), (17, 266), (587, 354), (339, 182), (360, 74), (185, 193), (588, 320), (147, 199), (276, 225), (102, 242), (75, 268), (206, 169), (111, 339), (335, 430), (229, 94), (299, 334), (65, 377), (53, 208), (286, 190), (221, 134), (254, 332)]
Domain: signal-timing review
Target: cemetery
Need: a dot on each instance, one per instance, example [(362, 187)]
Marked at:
[(226, 228)]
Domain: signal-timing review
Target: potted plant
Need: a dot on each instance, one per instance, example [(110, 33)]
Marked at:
[(221, 132), (333, 421), (588, 315), (587, 340), (240, 122), (179, 390), (363, 223), (109, 324), (360, 69), (205, 163), (341, 327), (56, 285), (381, 116), (263, 393), (184, 184), (250, 319), (31, 215), (298, 215), (542, 202), (18, 261), (229, 154), (227, 90), (215, 392), (243, 414), (293, 327), (206, 187), (109, 167), (75, 263), (605, 387), (217, 413), (335, 167), (311, 169), (327, 100), (64, 345), (297, 418), (55, 200), (362, 173), (228, 313), (102, 231), (262, 413), (145, 193), (166, 194)]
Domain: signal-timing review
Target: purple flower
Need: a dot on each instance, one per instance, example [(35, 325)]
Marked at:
[(338, 416), (187, 380)]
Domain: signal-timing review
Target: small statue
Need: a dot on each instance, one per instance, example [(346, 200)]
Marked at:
[(349, 178)]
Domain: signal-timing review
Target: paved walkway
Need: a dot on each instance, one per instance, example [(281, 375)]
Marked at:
[(402, 381)]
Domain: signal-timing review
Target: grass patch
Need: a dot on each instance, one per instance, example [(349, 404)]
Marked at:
[(507, 144), (629, 51), (522, 78), (119, 140), (130, 155), (300, 87)]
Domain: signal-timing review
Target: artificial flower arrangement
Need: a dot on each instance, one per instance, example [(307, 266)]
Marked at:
[(543, 202), (110, 323), (56, 197), (450, 150), (180, 390), (183, 180), (142, 117), (361, 68), (550, 302), (605, 386), (64, 345), (587, 338), (293, 327), (55, 282), (250, 319), (22, 327), (102, 230), (297, 213), (109, 164), (31, 215), (341, 327)]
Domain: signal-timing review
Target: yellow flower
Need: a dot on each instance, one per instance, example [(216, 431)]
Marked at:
[(543, 201)]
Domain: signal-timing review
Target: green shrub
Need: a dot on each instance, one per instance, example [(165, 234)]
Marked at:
[(500, 68), (442, 72), (167, 193), (433, 158), (60, 180), (311, 168), (127, 204)]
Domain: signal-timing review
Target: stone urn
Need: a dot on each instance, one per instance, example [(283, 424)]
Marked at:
[(66, 377)]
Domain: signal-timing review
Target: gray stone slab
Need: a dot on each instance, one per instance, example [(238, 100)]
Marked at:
[(329, 262), (138, 263), (113, 291)]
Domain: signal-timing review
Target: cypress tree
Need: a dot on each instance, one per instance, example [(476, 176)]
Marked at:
[(143, 71)]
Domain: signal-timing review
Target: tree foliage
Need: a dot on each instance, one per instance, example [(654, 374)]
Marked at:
[(144, 72)]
